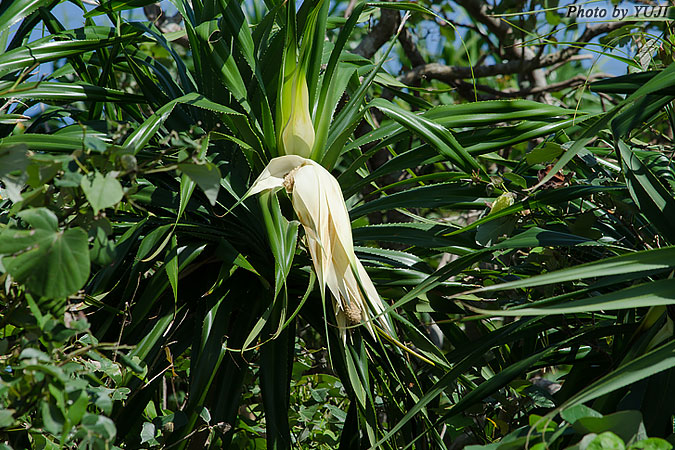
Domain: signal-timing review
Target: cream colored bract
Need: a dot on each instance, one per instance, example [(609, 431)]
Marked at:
[(320, 207)]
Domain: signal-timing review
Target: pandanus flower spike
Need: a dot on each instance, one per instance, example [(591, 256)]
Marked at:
[(297, 135), (318, 203)]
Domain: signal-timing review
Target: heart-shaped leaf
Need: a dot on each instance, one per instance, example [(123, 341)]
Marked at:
[(102, 191), (48, 261)]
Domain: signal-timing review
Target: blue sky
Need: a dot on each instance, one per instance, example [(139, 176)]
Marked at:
[(71, 17)]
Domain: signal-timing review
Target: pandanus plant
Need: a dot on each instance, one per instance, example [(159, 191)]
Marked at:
[(317, 199), (200, 290), (204, 279), (309, 135)]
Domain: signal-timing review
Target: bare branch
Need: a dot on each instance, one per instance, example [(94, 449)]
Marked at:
[(166, 24), (410, 49), (555, 67), (586, 36), (350, 8), (380, 34), (448, 74), (480, 12), (578, 80)]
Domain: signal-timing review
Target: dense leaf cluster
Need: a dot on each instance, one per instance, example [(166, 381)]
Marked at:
[(523, 245)]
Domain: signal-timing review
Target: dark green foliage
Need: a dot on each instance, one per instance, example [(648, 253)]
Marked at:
[(146, 304)]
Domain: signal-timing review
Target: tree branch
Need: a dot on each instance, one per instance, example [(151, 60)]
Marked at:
[(410, 49), (386, 27), (522, 58), (154, 13), (448, 74), (578, 80)]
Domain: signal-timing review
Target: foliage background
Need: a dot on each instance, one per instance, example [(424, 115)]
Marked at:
[(515, 211)]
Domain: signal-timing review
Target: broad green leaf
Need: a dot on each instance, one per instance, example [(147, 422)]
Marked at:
[(147, 432), (13, 163), (102, 191), (76, 409), (606, 441), (652, 444), (576, 412), (100, 425), (6, 417), (49, 262), (52, 418), (33, 353), (626, 424), (548, 152)]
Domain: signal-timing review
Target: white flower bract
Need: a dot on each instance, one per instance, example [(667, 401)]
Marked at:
[(320, 208)]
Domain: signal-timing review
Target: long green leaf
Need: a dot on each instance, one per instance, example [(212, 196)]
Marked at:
[(45, 49), (71, 92), (664, 80), (657, 360), (324, 110), (17, 11), (449, 195), (651, 197), (436, 135), (146, 131), (636, 262), (655, 293)]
